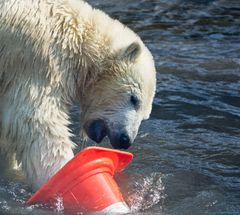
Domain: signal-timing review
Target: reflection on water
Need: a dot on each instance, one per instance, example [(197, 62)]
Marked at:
[(187, 156)]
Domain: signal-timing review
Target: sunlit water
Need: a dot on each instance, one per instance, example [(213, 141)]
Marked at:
[(187, 156)]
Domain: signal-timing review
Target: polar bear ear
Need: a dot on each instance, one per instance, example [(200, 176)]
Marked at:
[(132, 52)]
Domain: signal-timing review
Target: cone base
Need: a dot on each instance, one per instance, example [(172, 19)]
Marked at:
[(116, 209)]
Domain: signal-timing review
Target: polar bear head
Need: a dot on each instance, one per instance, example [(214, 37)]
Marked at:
[(121, 97)]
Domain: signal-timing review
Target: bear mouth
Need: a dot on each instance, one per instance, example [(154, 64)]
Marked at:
[(98, 129)]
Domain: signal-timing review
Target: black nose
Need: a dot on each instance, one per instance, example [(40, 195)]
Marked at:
[(120, 141), (124, 141), (97, 130)]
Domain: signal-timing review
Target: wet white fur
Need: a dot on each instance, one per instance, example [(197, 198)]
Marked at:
[(50, 52)]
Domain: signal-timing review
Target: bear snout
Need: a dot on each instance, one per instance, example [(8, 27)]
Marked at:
[(120, 140), (96, 130)]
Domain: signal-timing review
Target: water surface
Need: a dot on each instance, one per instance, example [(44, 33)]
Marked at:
[(187, 156)]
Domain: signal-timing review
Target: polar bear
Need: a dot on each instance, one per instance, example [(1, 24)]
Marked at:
[(54, 53)]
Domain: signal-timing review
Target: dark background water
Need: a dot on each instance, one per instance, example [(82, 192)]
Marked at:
[(187, 156)]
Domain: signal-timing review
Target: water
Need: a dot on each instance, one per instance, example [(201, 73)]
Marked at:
[(187, 156)]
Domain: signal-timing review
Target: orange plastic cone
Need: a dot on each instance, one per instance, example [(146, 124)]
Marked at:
[(86, 185)]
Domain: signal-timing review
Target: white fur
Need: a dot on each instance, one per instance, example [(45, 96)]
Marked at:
[(51, 51)]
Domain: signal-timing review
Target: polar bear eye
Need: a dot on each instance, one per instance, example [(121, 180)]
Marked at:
[(135, 101)]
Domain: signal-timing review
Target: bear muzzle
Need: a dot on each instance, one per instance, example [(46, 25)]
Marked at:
[(98, 129), (120, 140)]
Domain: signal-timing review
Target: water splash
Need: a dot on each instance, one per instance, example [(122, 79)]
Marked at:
[(59, 207), (142, 192), (12, 196), (4, 205)]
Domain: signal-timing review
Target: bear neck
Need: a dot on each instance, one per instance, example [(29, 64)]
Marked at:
[(71, 42), (93, 39)]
